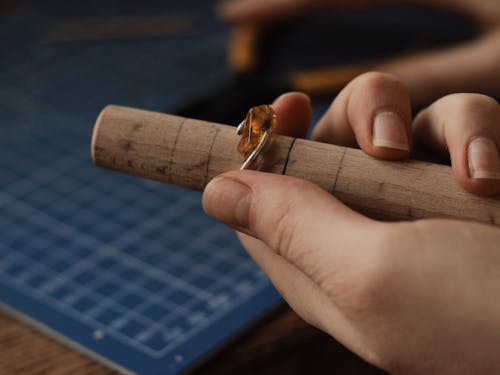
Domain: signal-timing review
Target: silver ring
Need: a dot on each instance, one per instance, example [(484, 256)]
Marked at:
[(255, 153)]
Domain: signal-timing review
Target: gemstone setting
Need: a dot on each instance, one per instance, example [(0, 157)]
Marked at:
[(259, 120)]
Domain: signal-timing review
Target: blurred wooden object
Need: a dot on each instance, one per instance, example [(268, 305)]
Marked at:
[(243, 48), (4, 4), (104, 29), (327, 80), (243, 57)]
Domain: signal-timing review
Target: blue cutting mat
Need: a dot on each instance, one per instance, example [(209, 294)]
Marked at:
[(129, 270)]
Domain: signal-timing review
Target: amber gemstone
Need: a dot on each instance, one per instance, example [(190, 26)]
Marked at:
[(259, 120)]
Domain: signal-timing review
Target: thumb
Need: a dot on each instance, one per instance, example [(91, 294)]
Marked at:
[(298, 220)]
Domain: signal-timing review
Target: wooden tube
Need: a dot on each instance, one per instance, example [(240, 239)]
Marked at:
[(190, 153)]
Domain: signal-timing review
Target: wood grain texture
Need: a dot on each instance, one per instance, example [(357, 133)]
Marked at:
[(24, 351), (190, 153)]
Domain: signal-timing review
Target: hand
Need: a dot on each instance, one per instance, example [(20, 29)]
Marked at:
[(411, 297), (470, 67)]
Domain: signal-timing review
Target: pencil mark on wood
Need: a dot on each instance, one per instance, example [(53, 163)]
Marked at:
[(292, 143), (195, 167), (99, 150), (171, 159), (409, 212), (137, 126), (210, 154), (338, 171), (493, 219), (125, 144), (380, 187), (162, 169)]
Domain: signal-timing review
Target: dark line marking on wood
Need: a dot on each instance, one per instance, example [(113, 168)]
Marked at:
[(210, 154), (173, 149), (292, 143), (338, 171)]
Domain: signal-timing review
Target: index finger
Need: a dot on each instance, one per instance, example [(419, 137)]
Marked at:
[(374, 112)]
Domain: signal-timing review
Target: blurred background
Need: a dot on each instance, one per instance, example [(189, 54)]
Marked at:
[(132, 271)]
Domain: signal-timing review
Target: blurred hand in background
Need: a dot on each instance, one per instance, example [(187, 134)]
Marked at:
[(470, 67)]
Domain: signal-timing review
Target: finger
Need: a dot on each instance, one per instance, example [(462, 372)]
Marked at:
[(337, 249), (465, 68), (265, 11), (262, 11), (468, 127), (374, 112), (294, 112), (298, 220)]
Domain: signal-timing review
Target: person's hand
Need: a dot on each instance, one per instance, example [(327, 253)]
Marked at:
[(410, 297), (471, 67)]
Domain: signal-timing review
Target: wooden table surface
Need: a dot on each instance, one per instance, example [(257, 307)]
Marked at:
[(282, 344)]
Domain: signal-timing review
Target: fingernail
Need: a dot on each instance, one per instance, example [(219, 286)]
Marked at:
[(484, 161), (228, 201), (389, 131)]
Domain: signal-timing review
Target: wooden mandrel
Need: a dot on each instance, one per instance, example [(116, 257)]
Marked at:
[(190, 153)]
